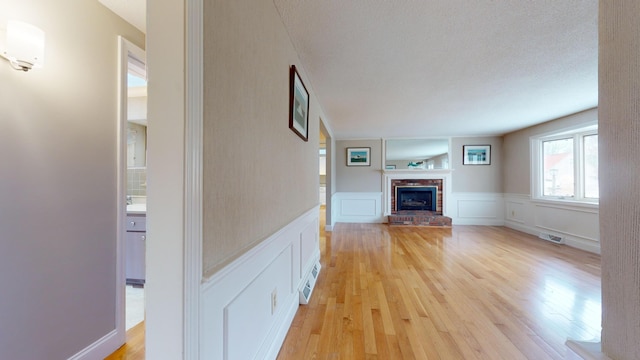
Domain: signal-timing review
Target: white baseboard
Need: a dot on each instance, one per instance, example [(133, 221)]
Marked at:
[(581, 350), (101, 348)]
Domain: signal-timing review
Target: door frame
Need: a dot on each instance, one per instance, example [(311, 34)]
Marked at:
[(126, 50)]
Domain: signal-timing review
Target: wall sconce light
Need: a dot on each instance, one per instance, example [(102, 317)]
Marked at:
[(24, 46)]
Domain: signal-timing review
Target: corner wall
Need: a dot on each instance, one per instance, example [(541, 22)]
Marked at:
[(258, 174), (577, 223), (619, 140), (358, 196)]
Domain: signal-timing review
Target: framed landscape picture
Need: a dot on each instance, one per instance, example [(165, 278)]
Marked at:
[(476, 155), (298, 105), (359, 156)]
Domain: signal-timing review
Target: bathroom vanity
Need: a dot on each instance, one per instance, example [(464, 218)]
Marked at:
[(135, 247)]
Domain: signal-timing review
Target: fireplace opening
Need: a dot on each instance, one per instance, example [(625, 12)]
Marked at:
[(416, 198)]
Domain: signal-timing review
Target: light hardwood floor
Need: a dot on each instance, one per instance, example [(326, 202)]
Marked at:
[(134, 347), (467, 292)]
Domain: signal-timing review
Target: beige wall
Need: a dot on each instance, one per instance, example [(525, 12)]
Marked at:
[(517, 157), (58, 188), (358, 178), (258, 174), (619, 140), (476, 178)]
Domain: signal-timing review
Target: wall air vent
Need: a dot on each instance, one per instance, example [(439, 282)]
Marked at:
[(310, 281), (553, 238)]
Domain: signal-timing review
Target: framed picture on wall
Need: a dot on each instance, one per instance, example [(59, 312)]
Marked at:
[(359, 156), (476, 155), (298, 105)]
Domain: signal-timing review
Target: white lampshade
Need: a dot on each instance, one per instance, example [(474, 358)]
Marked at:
[(25, 45)]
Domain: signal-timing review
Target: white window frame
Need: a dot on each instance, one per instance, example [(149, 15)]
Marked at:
[(537, 172)]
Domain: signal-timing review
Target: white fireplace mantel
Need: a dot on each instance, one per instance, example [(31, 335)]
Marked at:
[(408, 174)]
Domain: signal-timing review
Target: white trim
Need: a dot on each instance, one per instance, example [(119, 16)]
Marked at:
[(237, 264), (193, 178), (477, 208), (99, 349), (121, 190), (117, 337), (359, 207), (522, 214), (577, 133), (584, 350), (231, 298)]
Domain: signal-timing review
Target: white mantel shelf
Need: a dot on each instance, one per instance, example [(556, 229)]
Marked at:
[(417, 171)]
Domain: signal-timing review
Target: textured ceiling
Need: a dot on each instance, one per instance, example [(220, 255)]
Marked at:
[(422, 68)]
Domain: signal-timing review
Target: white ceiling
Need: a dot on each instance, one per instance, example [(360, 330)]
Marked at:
[(424, 68), (133, 11), (417, 68)]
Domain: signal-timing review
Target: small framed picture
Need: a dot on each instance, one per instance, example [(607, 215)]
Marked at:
[(476, 155), (298, 106), (359, 156)]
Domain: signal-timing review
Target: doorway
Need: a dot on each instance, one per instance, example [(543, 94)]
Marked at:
[(326, 178), (132, 157)]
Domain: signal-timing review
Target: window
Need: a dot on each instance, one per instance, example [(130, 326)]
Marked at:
[(565, 165)]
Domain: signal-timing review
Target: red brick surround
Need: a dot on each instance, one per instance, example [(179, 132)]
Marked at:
[(418, 182)]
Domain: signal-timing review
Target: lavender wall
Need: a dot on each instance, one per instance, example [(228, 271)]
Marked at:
[(58, 182)]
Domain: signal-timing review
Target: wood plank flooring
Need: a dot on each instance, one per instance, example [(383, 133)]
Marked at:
[(133, 349), (467, 292)]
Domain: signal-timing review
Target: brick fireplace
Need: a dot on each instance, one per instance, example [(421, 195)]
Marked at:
[(439, 179), (437, 183)]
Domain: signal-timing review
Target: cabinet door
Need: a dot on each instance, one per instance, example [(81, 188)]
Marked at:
[(134, 257)]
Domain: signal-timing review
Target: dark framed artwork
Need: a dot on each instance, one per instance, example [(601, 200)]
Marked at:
[(476, 155), (298, 105), (359, 156)]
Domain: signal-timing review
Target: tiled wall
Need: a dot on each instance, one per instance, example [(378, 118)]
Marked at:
[(137, 181)]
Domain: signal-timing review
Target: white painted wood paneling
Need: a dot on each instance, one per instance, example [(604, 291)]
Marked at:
[(248, 317), (359, 207), (478, 209), (577, 223), (236, 318), (574, 222)]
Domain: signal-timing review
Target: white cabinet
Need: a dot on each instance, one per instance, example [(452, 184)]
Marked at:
[(135, 249)]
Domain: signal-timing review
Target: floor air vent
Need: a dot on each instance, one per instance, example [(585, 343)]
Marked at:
[(553, 238), (309, 283)]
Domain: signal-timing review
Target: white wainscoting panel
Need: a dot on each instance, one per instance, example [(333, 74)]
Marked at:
[(248, 317), (359, 207), (478, 209), (577, 224), (309, 249), (237, 321)]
